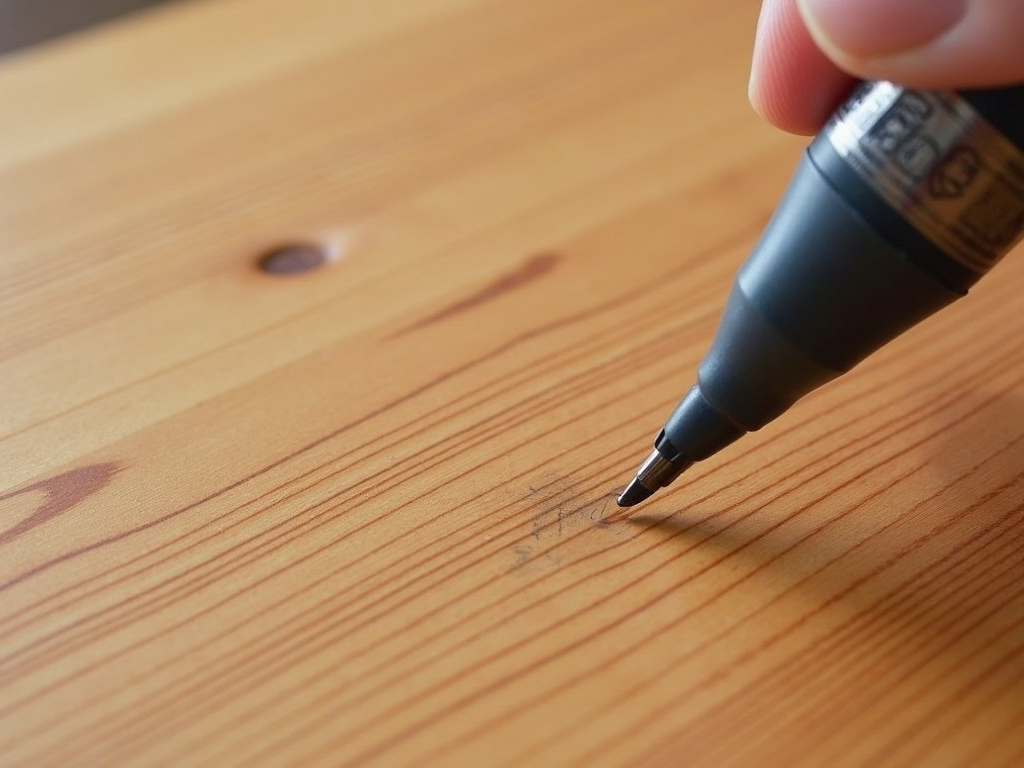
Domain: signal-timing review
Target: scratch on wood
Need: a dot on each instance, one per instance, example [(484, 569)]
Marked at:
[(527, 272), (63, 492)]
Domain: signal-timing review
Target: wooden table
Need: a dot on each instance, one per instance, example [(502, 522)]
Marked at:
[(356, 514)]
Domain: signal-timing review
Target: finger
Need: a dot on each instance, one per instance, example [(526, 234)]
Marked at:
[(922, 43), (793, 85)]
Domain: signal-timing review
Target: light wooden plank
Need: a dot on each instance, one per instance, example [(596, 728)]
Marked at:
[(357, 516)]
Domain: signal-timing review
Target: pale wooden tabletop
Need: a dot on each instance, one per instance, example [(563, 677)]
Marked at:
[(353, 515)]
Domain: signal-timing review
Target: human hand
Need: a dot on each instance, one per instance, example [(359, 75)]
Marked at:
[(808, 53)]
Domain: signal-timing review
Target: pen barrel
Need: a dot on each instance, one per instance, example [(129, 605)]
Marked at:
[(903, 201), (938, 174)]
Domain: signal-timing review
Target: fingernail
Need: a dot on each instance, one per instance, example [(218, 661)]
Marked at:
[(869, 28)]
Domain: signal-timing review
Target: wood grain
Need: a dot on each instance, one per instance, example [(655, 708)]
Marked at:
[(357, 515)]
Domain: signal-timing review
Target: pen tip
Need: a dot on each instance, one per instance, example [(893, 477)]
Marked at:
[(635, 493)]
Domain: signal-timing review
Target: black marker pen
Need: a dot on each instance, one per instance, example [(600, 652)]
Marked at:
[(902, 202)]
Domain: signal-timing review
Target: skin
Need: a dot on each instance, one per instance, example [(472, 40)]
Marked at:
[(808, 53)]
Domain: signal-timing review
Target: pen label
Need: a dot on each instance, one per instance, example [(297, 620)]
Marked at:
[(934, 159)]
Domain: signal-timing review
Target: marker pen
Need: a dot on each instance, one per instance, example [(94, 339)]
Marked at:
[(901, 203)]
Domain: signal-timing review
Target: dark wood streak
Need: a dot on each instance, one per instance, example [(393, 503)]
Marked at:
[(62, 492), (530, 270)]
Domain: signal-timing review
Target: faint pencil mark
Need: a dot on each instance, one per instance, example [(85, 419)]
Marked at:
[(522, 555), (600, 516)]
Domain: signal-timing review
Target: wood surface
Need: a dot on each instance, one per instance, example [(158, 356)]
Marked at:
[(358, 515)]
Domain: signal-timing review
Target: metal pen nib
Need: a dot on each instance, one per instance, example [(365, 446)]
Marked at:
[(656, 472), (634, 493)]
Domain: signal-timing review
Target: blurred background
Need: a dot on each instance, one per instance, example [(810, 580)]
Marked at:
[(24, 22)]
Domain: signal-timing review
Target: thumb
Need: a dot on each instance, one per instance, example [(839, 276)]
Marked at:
[(922, 43)]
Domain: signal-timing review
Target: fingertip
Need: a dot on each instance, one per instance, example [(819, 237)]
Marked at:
[(793, 85), (791, 118)]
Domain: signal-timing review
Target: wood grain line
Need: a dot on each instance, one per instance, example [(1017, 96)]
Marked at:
[(532, 269)]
